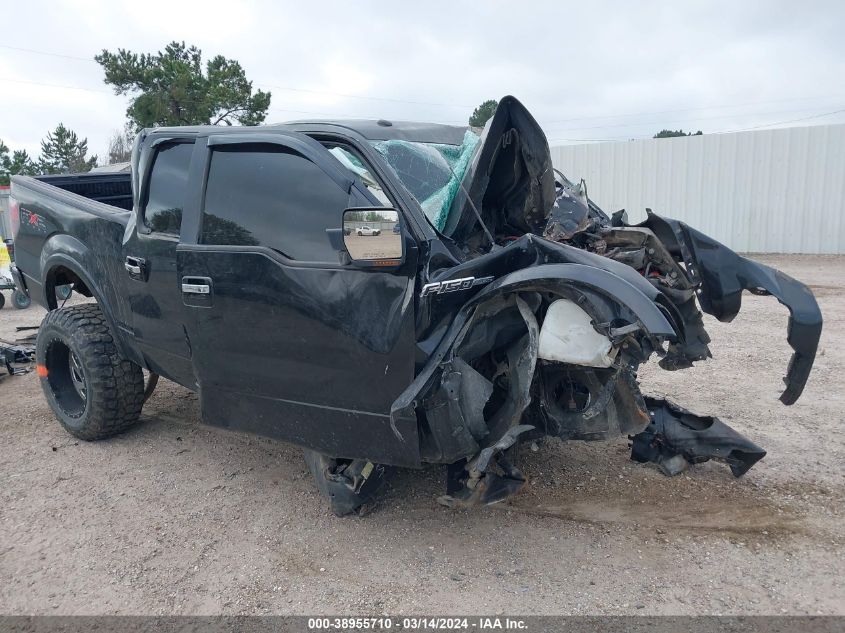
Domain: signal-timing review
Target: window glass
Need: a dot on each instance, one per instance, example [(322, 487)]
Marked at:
[(355, 165), (267, 196), (432, 172), (168, 186)]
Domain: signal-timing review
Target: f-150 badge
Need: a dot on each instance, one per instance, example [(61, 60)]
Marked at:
[(464, 283)]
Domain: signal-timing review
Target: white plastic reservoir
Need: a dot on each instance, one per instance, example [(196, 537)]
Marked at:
[(567, 336)]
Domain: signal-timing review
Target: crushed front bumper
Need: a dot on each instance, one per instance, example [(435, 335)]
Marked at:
[(723, 275)]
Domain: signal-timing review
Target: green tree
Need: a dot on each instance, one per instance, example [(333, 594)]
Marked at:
[(22, 163), (172, 88), (483, 112), (18, 163), (217, 230), (674, 133), (62, 152)]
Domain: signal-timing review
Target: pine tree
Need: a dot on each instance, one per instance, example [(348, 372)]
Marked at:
[(19, 163), (63, 153), (172, 87), (483, 112)]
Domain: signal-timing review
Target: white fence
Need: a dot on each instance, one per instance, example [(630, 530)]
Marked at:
[(767, 191)]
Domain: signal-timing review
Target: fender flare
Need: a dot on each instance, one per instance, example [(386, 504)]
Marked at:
[(69, 252)]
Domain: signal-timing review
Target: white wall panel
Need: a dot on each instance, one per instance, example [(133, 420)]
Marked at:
[(765, 191)]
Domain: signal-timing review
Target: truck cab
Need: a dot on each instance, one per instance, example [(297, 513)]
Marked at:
[(234, 254)]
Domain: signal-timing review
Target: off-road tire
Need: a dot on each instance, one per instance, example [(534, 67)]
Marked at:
[(75, 347)]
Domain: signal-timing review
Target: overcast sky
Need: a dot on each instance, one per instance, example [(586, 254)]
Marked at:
[(587, 70)]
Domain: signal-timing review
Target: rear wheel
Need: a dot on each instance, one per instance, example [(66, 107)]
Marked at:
[(21, 300), (94, 392), (2, 300)]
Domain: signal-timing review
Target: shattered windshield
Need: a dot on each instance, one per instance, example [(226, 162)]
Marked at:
[(432, 172)]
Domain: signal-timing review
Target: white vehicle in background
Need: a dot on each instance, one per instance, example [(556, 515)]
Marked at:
[(368, 230)]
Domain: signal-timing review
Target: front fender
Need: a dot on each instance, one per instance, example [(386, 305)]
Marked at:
[(546, 277), (653, 316)]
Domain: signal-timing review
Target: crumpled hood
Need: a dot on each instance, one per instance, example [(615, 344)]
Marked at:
[(510, 179)]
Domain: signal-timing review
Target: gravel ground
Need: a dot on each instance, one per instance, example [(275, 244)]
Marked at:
[(172, 517)]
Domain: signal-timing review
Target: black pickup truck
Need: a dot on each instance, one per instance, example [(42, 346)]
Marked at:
[(492, 302)]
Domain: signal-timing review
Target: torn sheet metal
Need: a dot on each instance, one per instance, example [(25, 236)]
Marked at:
[(570, 213), (510, 179), (676, 438)]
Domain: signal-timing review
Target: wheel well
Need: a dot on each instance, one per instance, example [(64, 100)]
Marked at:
[(63, 276)]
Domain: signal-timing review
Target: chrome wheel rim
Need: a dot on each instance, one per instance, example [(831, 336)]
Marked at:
[(77, 376)]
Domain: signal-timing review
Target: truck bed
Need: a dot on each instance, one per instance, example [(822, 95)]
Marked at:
[(69, 214), (112, 189)]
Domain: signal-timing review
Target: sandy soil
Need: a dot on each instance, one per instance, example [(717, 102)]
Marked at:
[(173, 517)]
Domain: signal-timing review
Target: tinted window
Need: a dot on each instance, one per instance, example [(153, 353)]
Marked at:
[(270, 197), (168, 185)]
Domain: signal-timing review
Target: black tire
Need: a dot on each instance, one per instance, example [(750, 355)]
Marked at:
[(2, 300), (63, 292), (93, 391), (21, 300)]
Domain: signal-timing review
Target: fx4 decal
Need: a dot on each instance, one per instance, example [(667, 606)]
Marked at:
[(32, 220), (464, 283)]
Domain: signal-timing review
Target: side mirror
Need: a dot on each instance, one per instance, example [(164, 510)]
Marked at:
[(372, 236)]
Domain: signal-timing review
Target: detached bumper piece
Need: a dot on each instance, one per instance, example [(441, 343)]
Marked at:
[(17, 359), (676, 438), (487, 478), (349, 484)]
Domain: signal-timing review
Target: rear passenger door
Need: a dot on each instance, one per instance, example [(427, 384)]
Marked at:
[(152, 285), (287, 340)]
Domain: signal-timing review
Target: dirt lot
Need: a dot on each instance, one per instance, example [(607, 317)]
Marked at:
[(176, 518), (385, 245)]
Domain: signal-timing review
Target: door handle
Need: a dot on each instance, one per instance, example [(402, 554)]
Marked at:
[(196, 289), (135, 266)]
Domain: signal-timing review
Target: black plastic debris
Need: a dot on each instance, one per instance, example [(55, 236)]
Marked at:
[(676, 438)]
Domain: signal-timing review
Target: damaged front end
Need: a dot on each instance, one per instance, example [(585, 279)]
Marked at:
[(548, 349), (555, 306)]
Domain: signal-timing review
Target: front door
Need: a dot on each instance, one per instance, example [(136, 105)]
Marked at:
[(287, 341)]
